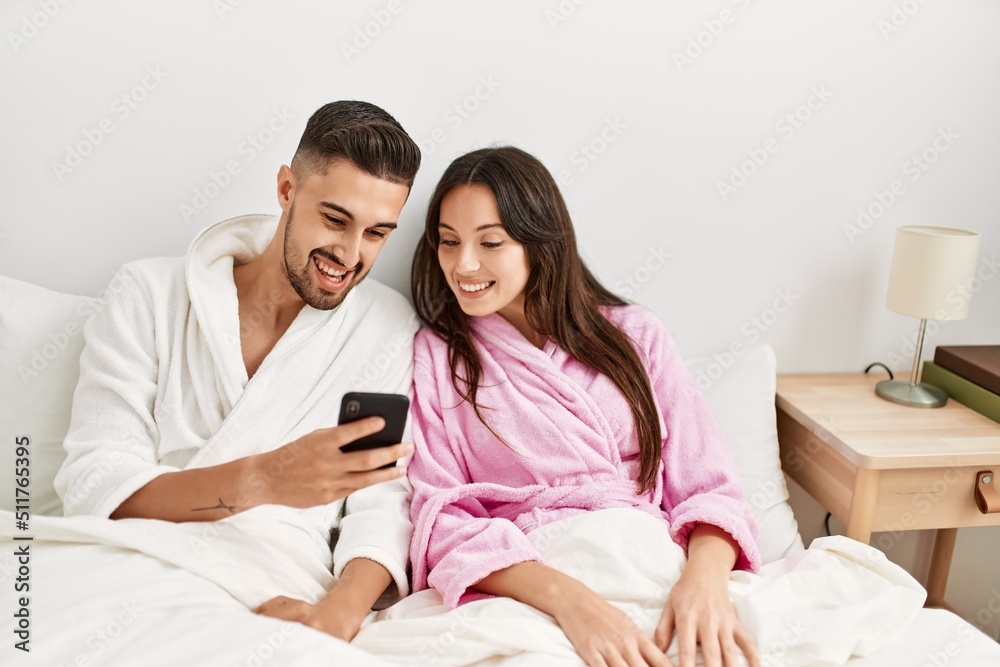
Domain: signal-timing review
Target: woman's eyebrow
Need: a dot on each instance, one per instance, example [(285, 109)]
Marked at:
[(478, 229)]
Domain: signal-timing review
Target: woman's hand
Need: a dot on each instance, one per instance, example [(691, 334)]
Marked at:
[(602, 635), (699, 609), (605, 636), (340, 625)]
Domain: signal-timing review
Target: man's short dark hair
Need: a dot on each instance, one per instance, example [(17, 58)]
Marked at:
[(362, 134)]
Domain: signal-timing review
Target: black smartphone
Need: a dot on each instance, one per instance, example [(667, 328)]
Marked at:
[(390, 407)]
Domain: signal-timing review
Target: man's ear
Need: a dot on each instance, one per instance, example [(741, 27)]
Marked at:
[(286, 186)]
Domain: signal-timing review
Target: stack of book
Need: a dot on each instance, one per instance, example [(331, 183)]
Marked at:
[(970, 374)]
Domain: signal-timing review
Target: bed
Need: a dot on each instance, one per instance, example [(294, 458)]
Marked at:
[(141, 593)]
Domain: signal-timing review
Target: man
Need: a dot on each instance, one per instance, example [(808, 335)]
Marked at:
[(209, 384)]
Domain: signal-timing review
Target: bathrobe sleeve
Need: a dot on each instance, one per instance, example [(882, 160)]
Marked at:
[(456, 541), (111, 442), (377, 521), (700, 481)]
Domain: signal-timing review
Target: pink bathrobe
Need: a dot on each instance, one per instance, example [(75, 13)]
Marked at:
[(572, 448)]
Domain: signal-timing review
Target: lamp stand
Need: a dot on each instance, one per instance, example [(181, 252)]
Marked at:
[(913, 393)]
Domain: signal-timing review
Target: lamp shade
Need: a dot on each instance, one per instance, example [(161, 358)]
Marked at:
[(931, 270)]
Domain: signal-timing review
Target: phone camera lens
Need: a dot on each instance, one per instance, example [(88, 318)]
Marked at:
[(353, 408)]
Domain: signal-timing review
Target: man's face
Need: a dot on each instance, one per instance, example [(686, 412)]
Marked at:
[(336, 224)]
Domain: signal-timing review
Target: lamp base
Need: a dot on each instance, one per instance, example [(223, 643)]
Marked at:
[(914, 395)]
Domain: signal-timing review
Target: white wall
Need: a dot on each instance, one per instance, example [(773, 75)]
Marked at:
[(883, 84)]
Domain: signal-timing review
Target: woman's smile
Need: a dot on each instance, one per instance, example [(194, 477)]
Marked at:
[(473, 247), (474, 290)]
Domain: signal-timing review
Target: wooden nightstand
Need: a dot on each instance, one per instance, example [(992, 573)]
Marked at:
[(882, 467)]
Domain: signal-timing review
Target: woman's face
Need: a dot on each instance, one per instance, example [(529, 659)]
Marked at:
[(485, 268)]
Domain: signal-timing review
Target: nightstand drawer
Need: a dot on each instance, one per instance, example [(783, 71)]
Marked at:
[(901, 499), (914, 499), (886, 468)]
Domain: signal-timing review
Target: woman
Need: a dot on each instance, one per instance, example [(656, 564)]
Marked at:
[(539, 395)]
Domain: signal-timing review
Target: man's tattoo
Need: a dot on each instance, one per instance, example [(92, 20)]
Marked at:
[(221, 506)]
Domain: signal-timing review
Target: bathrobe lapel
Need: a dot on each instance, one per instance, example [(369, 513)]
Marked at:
[(288, 375), (513, 358)]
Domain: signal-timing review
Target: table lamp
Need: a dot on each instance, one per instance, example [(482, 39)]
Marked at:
[(930, 266)]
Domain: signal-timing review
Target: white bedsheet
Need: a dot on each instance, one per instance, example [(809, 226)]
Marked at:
[(837, 600), (106, 603), (111, 606)]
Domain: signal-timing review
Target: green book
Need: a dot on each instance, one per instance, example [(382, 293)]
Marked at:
[(966, 392)]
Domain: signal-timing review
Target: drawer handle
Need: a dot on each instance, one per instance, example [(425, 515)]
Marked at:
[(987, 498)]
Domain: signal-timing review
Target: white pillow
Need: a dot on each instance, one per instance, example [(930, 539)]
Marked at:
[(40, 345), (740, 392)]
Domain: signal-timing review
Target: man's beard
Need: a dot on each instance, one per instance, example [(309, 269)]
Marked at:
[(303, 279)]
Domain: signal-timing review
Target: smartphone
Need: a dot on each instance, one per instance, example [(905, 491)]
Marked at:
[(390, 407)]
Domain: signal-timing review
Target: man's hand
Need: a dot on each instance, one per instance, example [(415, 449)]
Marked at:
[(313, 471), (307, 472), (342, 611), (340, 624)]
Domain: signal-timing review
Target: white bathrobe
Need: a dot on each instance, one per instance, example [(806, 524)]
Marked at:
[(163, 387)]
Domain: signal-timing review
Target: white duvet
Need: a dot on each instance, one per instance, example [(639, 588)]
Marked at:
[(141, 592), (628, 558)]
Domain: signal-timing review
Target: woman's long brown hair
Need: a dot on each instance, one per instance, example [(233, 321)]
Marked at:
[(561, 299)]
